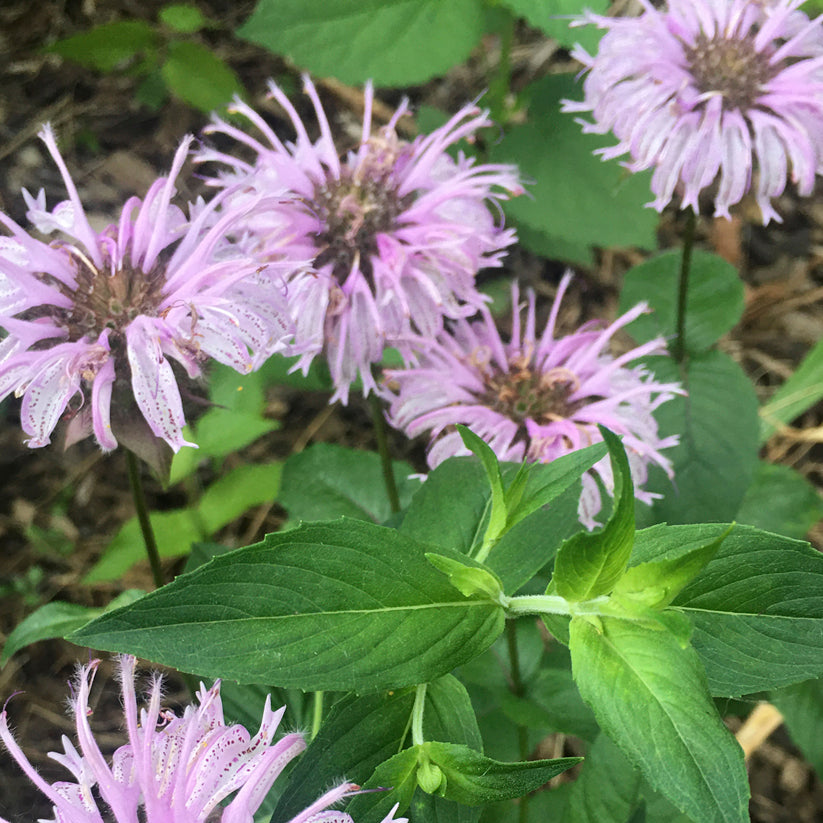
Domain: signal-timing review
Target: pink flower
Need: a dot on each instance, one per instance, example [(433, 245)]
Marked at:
[(711, 91), (174, 769), (396, 230), (93, 317), (536, 398)]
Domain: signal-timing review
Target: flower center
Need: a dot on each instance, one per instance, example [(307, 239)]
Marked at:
[(730, 67), (354, 209), (109, 301), (523, 394)]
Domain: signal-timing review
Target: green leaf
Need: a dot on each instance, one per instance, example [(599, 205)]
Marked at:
[(608, 789), (58, 619), (399, 774), (358, 734), (183, 18), (342, 605), (235, 421), (713, 307), (468, 580), (577, 201), (717, 423), (174, 530), (228, 497), (451, 508), (781, 500), (197, 76), (393, 42), (473, 779), (657, 582), (449, 715), (757, 607), (802, 708), (554, 19), (532, 544), (429, 808), (799, 393), (105, 47), (497, 516), (649, 695), (327, 481), (590, 563)]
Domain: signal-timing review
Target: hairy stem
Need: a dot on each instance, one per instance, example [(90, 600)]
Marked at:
[(679, 347), (518, 690), (317, 714), (139, 497), (383, 449)]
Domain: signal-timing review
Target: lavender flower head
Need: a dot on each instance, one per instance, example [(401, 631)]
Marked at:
[(536, 398), (174, 769), (92, 317), (711, 91), (396, 230)]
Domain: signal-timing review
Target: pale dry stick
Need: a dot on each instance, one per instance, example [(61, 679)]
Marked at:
[(355, 99), (757, 727)]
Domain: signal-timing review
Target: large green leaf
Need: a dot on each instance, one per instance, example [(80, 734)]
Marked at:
[(358, 734), (781, 500), (577, 201), (717, 423), (342, 605), (554, 18), (649, 695), (757, 607), (608, 789), (392, 42), (327, 481), (713, 307)]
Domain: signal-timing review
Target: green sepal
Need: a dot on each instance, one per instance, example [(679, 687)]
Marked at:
[(656, 583), (474, 779)]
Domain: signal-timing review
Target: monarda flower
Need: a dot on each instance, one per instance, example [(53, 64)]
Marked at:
[(92, 317), (174, 769), (711, 91), (536, 398), (396, 230)]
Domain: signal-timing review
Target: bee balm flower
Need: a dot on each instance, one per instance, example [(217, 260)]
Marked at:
[(536, 398), (396, 230), (96, 315), (708, 91), (174, 768)]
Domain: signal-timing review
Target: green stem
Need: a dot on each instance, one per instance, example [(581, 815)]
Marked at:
[(518, 690), (501, 80), (383, 449), (143, 518), (317, 714), (679, 347), (417, 714)]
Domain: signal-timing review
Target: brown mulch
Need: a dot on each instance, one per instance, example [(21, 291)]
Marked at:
[(58, 509)]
